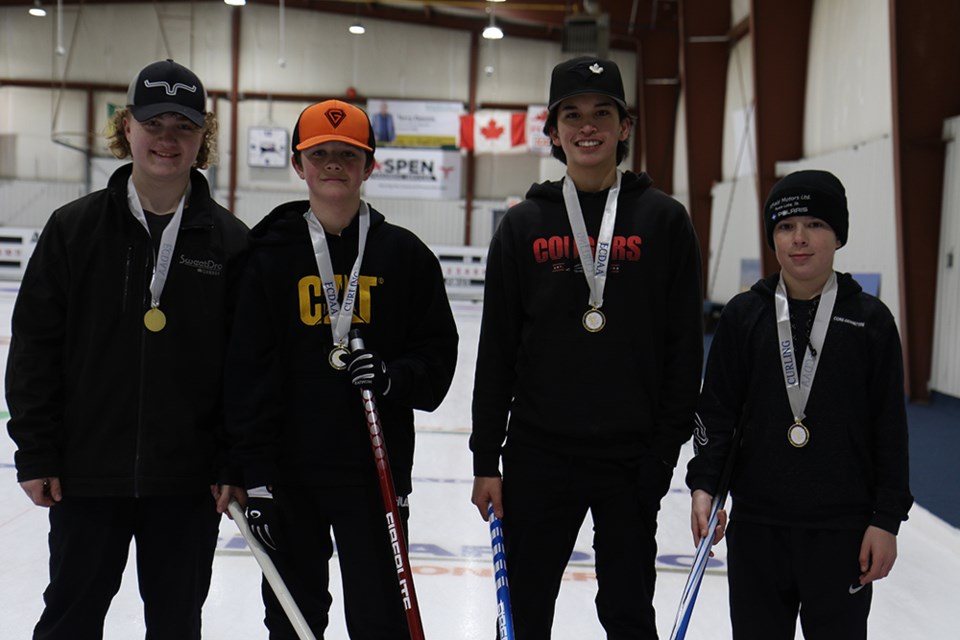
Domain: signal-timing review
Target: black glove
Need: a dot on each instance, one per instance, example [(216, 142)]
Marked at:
[(262, 516), (367, 370)]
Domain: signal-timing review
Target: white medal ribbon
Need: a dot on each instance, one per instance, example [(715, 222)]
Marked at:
[(341, 314), (161, 264), (799, 382), (594, 269)]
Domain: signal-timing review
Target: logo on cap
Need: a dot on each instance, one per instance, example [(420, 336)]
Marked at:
[(596, 68), (335, 116), (150, 84)]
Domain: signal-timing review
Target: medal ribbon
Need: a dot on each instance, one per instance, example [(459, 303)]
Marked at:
[(161, 263), (799, 382), (341, 314), (594, 270)]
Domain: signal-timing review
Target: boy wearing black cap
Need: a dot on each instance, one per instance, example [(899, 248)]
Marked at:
[(805, 377), (317, 268), (115, 370), (589, 363)]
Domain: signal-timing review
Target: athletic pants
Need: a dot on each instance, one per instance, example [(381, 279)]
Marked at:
[(89, 542), (372, 602), (777, 572), (546, 498)]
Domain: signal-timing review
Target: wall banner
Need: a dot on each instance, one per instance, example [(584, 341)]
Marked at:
[(410, 123), (421, 174)]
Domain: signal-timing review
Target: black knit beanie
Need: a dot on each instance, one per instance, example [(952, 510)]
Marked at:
[(808, 193)]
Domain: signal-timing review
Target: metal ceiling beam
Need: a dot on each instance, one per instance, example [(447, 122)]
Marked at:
[(781, 37), (533, 19), (926, 90), (704, 55), (658, 86)]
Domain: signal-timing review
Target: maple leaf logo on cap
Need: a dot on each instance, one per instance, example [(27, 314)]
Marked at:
[(335, 116)]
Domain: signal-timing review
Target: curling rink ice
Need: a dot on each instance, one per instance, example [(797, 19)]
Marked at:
[(450, 552)]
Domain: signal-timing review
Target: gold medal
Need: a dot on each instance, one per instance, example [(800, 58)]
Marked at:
[(154, 320), (798, 435), (336, 357), (594, 320)]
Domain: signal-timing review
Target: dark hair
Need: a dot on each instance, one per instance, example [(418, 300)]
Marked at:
[(623, 146), (120, 146)]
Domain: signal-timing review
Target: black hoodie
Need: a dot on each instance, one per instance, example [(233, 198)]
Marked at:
[(624, 392), (854, 469), (294, 417)]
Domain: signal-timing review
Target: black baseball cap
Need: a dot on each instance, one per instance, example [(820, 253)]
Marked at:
[(167, 87), (586, 74)]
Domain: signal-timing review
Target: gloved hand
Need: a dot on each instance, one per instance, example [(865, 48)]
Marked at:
[(262, 516), (367, 370)]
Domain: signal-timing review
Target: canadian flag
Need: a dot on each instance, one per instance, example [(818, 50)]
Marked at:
[(494, 131), (537, 142)]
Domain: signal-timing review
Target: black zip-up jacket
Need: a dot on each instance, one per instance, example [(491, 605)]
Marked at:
[(854, 469), (297, 420), (96, 399), (625, 392)]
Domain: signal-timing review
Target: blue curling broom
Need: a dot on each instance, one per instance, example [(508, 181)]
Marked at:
[(504, 613), (692, 588)]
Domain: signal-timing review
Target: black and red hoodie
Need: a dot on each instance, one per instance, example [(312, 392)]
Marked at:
[(543, 380)]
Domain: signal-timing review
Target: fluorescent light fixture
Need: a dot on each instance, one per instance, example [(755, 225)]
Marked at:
[(235, 3), (37, 10), (357, 28), (492, 31)]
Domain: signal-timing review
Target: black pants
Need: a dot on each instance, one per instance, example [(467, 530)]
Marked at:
[(776, 573), (546, 498), (89, 542), (372, 602)]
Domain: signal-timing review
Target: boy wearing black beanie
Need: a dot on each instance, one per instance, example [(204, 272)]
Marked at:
[(805, 377)]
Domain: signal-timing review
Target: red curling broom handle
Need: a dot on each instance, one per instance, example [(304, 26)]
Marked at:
[(394, 525)]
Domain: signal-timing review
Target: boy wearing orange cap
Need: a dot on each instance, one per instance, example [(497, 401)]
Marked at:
[(318, 267)]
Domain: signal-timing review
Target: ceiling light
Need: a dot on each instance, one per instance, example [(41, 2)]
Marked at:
[(235, 3), (357, 28), (492, 31), (37, 10)]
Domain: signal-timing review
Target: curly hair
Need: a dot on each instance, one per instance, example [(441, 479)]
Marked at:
[(120, 147)]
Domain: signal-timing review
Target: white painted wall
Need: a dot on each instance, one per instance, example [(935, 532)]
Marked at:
[(849, 96), (945, 376)]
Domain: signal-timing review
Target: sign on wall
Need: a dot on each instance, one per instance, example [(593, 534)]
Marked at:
[(414, 123), (424, 174)]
